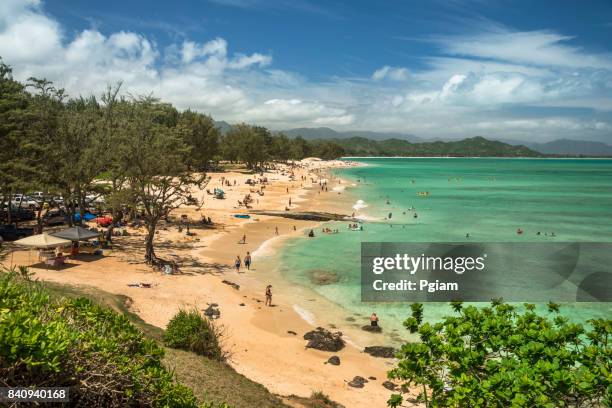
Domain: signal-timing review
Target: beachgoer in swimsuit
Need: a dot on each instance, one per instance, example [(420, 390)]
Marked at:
[(247, 261), (374, 320), (237, 263), (269, 295)]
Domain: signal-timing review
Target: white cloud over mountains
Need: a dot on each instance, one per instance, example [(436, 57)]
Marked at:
[(473, 84)]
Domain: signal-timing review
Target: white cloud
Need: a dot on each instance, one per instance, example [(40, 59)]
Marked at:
[(470, 88), (539, 48), (392, 73)]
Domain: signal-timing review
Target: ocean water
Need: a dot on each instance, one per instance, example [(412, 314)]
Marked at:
[(487, 198)]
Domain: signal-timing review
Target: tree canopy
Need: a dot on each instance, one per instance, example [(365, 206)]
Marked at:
[(500, 356)]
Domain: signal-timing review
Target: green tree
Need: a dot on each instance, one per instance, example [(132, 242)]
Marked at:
[(247, 144), (203, 137), (498, 356), (299, 148), (153, 157), (14, 103)]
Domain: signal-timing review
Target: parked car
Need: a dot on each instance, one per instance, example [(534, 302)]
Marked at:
[(17, 214), (55, 217), (94, 199), (24, 201), (9, 232), (38, 196)]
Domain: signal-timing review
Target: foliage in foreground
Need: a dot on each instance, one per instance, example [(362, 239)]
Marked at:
[(74, 343), (188, 330), (500, 357)]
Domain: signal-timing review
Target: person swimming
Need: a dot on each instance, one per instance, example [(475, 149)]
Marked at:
[(374, 320)]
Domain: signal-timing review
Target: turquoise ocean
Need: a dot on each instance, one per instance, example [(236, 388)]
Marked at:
[(488, 198)]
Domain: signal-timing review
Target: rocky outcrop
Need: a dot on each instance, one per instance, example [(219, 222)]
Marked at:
[(389, 385), (324, 340), (334, 360), (357, 382), (212, 311), (380, 351), (372, 329), (306, 215), (321, 277)]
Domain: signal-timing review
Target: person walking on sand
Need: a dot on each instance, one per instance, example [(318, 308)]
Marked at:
[(243, 241), (237, 263), (247, 261), (269, 295), (276, 230), (374, 320)]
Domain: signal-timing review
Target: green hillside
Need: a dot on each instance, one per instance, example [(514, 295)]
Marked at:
[(86, 339), (471, 147)]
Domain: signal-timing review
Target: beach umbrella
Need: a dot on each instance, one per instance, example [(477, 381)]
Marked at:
[(76, 233), (42, 241)]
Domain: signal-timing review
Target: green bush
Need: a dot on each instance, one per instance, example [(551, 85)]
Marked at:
[(74, 343), (502, 356), (188, 330)]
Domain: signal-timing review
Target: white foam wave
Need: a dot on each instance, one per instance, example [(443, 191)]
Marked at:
[(360, 204), (266, 248), (364, 217), (339, 188), (305, 314)]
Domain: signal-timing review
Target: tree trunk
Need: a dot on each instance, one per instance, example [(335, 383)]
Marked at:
[(150, 256), (39, 223), (69, 206)]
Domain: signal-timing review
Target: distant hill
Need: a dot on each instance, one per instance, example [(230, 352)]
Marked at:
[(471, 147), (572, 148), (223, 126), (327, 133)]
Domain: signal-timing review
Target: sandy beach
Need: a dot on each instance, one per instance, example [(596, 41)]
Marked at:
[(260, 338)]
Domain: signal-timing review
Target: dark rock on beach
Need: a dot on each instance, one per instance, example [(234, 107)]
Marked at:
[(357, 382), (291, 332), (380, 351), (232, 284), (371, 329), (334, 360), (212, 311), (324, 340), (389, 385)]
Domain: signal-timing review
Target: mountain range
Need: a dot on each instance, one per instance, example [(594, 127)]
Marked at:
[(559, 147)]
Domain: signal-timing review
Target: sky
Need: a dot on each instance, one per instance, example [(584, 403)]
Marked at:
[(516, 70)]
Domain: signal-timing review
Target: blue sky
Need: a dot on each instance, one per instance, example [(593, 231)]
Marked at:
[(506, 69)]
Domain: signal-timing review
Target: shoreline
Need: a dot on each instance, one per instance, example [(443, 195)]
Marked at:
[(263, 348)]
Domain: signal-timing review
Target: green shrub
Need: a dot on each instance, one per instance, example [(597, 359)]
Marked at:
[(188, 330), (74, 343), (503, 356)]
